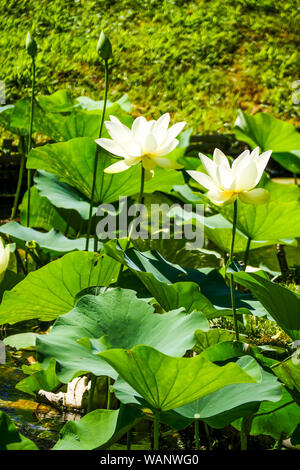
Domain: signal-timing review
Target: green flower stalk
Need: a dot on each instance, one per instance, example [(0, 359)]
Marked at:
[(227, 183), (31, 48), (104, 50), (232, 288)]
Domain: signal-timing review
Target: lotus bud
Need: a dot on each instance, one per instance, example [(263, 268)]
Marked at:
[(31, 45), (104, 48)]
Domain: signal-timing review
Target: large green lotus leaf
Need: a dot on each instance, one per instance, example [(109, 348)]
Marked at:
[(219, 230), (151, 267), (21, 340), (278, 420), (58, 102), (50, 291), (72, 162), (43, 214), (134, 324), (10, 279), (167, 382), (222, 407), (10, 438), (53, 241), (87, 103), (61, 194), (281, 303), (288, 372), (125, 320), (98, 429), (62, 126), (271, 221), (269, 133)]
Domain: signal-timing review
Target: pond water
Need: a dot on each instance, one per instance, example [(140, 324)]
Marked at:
[(40, 425)]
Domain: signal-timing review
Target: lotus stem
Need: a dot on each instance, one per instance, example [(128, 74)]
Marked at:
[(30, 141), (249, 240), (232, 289), (91, 393), (207, 433), (128, 440), (245, 430), (197, 436), (108, 394), (20, 177), (156, 431), (296, 179), (96, 160)]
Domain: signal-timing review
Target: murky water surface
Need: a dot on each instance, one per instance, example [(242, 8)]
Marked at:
[(41, 424)]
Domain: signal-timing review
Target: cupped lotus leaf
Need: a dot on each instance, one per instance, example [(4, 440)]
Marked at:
[(222, 407), (270, 133), (281, 303), (43, 215), (52, 241), (124, 321), (72, 163), (98, 429), (167, 382), (10, 438), (60, 101), (278, 420), (153, 270), (176, 251), (50, 291), (61, 121)]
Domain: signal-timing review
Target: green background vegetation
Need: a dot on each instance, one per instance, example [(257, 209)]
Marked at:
[(200, 60)]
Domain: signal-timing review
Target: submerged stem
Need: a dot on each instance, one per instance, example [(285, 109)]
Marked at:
[(96, 160), (232, 290)]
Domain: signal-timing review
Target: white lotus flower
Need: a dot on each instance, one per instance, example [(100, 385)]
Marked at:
[(146, 142), (225, 184), (4, 257)]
